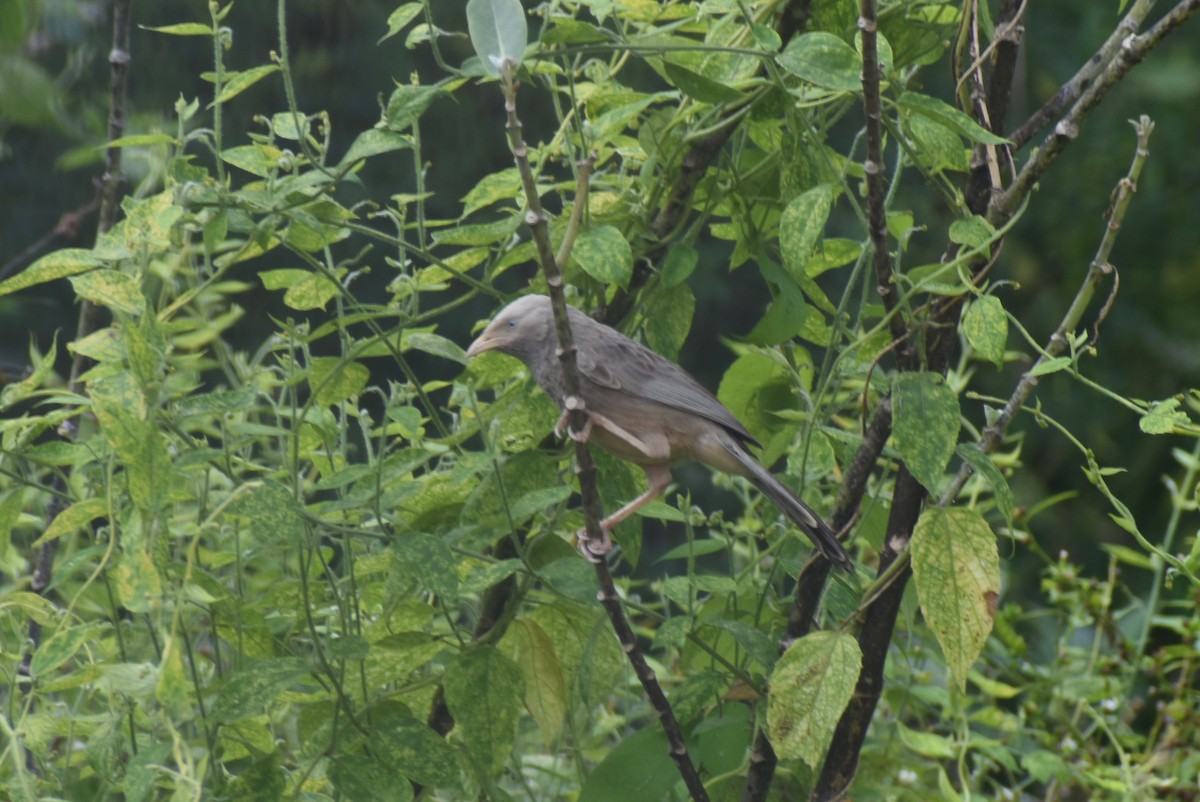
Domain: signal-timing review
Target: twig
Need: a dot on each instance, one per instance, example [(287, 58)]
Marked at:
[(535, 217), (1070, 91), (1097, 270), (67, 228), (1132, 50)]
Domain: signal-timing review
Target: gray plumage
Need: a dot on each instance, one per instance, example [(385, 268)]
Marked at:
[(643, 408)]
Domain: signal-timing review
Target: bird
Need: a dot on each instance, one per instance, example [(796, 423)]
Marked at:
[(643, 408)]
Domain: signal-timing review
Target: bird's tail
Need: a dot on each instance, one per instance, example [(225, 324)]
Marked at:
[(795, 509)]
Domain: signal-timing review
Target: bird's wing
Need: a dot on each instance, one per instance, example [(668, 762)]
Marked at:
[(610, 359)]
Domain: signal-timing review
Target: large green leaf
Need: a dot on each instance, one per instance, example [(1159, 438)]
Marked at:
[(498, 32), (604, 255), (956, 569), (810, 687), (484, 690), (925, 425), (824, 60), (638, 769)]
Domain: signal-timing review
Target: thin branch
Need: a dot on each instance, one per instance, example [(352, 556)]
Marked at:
[(1132, 50), (535, 217), (1070, 91), (67, 228), (1097, 271)]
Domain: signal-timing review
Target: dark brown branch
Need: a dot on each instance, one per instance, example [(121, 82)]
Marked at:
[(585, 466), (881, 259), (874, 639)]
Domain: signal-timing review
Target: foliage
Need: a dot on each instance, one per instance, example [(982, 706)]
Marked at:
[(333, 561)]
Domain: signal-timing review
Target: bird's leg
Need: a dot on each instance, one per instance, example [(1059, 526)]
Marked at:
[(659, 477)]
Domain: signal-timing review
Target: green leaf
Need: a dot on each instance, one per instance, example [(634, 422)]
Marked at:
[(434, 344), (758, 646), (139, 445), (788, 313), (79, 514), (546, 699), (399, 19), (668, 319), (956, 569), (833, 252), (60, 264), (985, 326), (259, 160), (944, 114), (1164, 417), (138, 584), (137, 141), (801, 226), (181, 29), (61, 647), (810, 687), (407, 103), (432, 562), (498, 32), (678, 264), (483, 690), (366, 777), (927, 744), (974, 456), (238, 82), (589, 653), (973, 231), (638, 769), (1053, 365), (257, 685), (112, 289), (373, 142), (604, 255), (282, 278), (334, 380), (502, 185), (824, 60), (749, 389), (936, 146), (566, 30), (926, 424), (699, 87), (313, 291), (273, 511), (415, 751), (479, 234)]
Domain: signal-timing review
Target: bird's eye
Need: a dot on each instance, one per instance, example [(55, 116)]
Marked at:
[(512, 324)]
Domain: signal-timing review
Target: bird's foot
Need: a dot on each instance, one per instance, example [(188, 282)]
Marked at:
[(589, 550), (563, 424)]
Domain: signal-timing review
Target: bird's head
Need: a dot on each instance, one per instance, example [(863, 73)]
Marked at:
[(519, 328)]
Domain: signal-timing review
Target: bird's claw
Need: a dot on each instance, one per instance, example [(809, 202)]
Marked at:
[(563, 424), (592, 552)]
